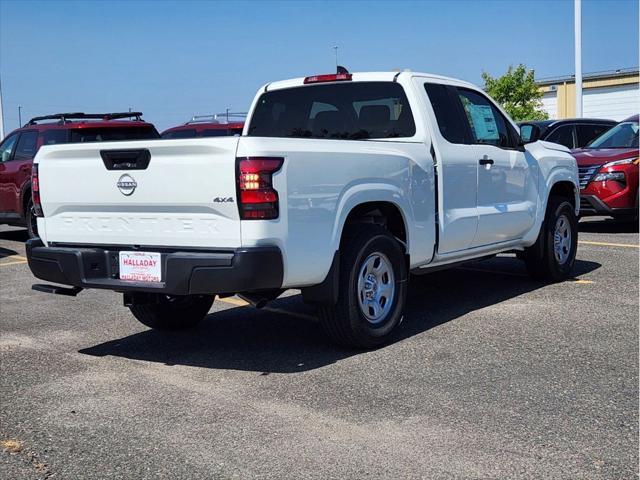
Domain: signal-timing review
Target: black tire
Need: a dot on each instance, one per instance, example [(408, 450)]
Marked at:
[(540, 258), (173, 312), (345, 323), (30, 219)]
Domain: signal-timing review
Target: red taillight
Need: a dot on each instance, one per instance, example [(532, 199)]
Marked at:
[(35, 190), (334, 77), (257, 199)]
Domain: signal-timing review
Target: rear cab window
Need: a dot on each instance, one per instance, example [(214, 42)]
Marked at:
[(347, 111), (111, 134)]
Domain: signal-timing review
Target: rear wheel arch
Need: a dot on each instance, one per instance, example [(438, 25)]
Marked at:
[(387, 214)]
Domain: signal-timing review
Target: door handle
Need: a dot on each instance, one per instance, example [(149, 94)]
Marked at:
[(485, 161)]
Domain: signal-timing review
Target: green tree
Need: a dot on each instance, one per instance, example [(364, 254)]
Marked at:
[(517, 92)]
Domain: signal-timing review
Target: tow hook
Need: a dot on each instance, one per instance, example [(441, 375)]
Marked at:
[(57, 290)]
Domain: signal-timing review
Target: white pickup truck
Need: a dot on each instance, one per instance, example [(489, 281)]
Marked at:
[(340, 185)]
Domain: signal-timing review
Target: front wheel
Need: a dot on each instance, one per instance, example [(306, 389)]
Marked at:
[(372, 289), (173, 312), (553, 255)]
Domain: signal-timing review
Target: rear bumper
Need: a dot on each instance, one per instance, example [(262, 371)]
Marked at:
[(592, 205), (184, 272)]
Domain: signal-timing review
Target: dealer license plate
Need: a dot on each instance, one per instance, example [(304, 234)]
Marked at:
[(140, 266)]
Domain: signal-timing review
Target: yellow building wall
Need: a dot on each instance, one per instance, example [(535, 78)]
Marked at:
[(566, 92)]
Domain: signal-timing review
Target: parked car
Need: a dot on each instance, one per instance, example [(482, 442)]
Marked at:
[(217, 125), (342, 185), (608, 169), (18, 149), (571, 132)]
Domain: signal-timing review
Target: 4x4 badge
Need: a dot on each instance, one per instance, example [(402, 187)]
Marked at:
[(126, 184), (223, 200)]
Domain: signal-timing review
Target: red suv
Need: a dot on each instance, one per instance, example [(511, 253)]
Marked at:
[(218, 125), (608, 169), (20, 146)]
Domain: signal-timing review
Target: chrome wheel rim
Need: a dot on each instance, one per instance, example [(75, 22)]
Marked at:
[(562, 239), (376, 287)]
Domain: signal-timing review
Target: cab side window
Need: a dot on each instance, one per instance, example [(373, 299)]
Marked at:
[(7, 147), (27, 146), (488, 125)]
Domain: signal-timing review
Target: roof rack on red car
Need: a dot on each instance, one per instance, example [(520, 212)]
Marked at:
[(65, 117), (225, 117)]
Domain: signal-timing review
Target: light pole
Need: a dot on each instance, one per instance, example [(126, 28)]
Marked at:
[(577, 20), (19, 116), (1, 115), (335, 48)]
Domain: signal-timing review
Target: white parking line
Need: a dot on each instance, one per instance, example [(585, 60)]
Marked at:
[(605, 244)]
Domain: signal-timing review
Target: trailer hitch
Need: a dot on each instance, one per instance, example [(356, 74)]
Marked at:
[(57, 290)]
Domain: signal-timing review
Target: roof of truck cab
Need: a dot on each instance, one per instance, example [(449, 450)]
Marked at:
[(368, 77)]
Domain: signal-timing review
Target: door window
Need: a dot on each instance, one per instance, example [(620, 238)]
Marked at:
[(27, 146), (488, 125), (6, 148), (562, 135), (447, 112), (586, 133)]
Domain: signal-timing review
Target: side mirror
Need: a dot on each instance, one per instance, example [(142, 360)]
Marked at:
[(529, 133)]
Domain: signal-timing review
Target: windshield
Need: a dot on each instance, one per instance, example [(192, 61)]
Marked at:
[(623, 135)]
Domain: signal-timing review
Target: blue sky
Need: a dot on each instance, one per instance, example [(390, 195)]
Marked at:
[(174, 59)]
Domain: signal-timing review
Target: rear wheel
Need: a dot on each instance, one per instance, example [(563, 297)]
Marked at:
[(173, 312), (31, 219), (553, 255), (372, 290)]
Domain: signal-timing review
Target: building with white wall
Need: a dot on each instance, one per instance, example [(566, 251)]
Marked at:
[(613, 95)]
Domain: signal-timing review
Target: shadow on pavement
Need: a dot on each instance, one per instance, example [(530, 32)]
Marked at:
[(18, 235), (262, 341), (7, 252), (608, 226)]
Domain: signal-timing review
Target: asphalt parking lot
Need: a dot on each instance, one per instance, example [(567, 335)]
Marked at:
[(493, 375)]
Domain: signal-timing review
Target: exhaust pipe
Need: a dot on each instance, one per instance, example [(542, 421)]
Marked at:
[(260, 299)]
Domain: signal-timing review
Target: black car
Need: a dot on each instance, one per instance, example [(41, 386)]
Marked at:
[(570, 132)]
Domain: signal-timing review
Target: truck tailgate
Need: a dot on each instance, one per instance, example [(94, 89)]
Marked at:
[(184, 197)]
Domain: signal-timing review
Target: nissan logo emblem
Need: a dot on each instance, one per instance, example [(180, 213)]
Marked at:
[(126, 184)]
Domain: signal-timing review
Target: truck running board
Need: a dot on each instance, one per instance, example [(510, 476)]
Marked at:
[(57, 290)]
